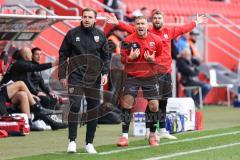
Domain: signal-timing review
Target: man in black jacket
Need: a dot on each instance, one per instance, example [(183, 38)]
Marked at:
[(84, 52), (48, 98), (189, 75), (21, 70)]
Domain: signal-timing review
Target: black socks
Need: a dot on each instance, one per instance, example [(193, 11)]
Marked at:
[(126, 119)]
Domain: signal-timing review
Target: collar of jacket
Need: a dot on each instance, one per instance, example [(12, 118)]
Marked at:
[(89, 29)]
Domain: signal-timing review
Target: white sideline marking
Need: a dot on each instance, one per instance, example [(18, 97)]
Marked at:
[(172, 142), (69, 153), (193, 151)]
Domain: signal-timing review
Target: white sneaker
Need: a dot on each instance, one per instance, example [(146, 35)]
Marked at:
[(72, 147), (165, 134), (38, 124), (90, 148), (44, 125)]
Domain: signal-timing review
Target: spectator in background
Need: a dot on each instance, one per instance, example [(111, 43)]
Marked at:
[(174, 50), (48, 98), (182, 42), (192, 43), (189, 75), (188, 40)]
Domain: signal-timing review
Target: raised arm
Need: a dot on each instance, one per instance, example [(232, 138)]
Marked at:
[(176, 31), (27, 66), (112, 19)]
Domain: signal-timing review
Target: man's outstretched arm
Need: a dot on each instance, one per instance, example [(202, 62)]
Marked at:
[(112, 19)]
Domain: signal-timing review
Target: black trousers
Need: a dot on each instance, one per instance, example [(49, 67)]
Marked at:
[(92, 96)]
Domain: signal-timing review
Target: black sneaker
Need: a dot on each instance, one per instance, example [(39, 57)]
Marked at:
[(39, 110), (57, 125)]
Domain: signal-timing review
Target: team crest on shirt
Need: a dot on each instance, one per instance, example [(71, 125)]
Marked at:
[(96, 38), (77, 39), (165, 36), (71, 90), (151, 44)]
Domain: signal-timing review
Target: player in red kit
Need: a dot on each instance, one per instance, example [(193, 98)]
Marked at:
[(139, 53), (165, 60)]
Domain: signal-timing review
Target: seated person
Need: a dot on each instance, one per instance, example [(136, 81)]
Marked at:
[(182, 42), (189, 73), (18, 94), (48, 98), (20, 70)]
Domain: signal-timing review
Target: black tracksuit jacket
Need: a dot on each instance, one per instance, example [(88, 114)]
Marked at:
[(88, 56), (21, 71)]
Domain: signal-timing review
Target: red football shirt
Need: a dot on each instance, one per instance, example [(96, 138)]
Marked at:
[(166, 34), (140, 67)]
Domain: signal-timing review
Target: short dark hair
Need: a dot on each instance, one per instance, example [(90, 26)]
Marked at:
[(35, 49), (16, 55), (89, 10)]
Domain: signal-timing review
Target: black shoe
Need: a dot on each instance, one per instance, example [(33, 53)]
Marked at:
[(57, 125), (38, 110)]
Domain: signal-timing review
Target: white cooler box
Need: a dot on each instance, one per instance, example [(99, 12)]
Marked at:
[(184, 106), (139, 127)]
